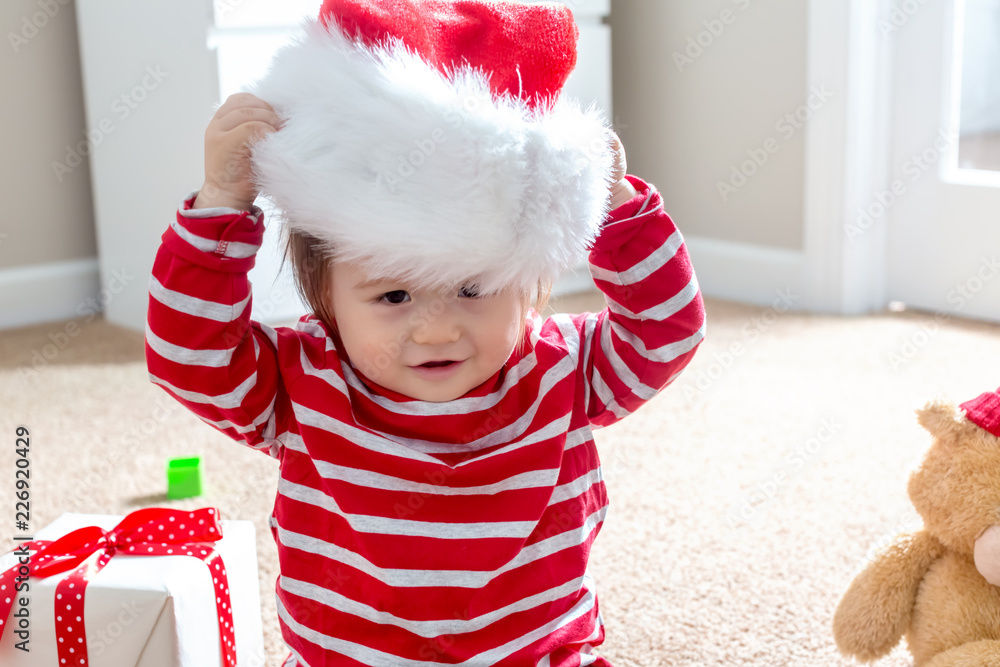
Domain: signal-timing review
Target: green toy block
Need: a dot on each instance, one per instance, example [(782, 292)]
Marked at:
[(184, 478)]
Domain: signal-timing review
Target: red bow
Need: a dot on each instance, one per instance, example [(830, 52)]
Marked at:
[(146, 532)]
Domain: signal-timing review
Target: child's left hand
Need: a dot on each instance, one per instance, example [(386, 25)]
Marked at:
[(621, 189)]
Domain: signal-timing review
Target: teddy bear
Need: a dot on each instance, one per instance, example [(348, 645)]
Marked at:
[(939, 586)]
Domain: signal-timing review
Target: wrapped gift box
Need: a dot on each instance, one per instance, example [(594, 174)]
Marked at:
[(147, 611)]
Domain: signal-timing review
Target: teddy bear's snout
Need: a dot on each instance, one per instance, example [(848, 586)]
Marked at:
[(987, 555)]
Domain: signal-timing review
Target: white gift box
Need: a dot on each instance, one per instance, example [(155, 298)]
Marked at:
[(147, 611)]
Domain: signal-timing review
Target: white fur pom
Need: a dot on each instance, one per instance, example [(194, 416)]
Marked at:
[(424, 177)]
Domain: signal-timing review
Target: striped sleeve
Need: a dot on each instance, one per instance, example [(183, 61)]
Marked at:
[(201, 345), (655, 317)]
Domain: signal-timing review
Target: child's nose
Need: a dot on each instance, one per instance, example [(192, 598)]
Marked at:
[(437, 329)]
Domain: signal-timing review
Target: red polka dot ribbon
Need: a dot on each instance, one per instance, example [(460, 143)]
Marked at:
[(146, 532)]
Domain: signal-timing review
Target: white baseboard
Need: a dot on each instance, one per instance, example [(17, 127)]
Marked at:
[(742, 272), (47, 292), (748, 273)]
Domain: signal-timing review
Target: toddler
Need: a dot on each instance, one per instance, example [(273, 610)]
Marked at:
[(439, 484)]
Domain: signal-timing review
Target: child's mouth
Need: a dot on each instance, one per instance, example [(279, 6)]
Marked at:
[(438, 370)]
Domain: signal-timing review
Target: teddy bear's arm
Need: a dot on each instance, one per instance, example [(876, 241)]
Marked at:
[(875, 611)]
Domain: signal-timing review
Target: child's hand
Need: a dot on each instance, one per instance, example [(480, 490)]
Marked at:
[(239, 123), (621, 189)]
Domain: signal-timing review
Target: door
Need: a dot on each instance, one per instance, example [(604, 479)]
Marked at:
[(942, 202)]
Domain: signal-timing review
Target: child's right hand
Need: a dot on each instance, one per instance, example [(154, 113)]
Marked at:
[(238, 124)]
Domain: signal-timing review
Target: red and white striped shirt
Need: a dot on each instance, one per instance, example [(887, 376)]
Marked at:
[(413, 533)]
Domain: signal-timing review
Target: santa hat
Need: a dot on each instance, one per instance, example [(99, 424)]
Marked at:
[(427, 139), (984, 411)]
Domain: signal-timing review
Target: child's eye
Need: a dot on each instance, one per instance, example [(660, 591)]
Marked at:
[(469, 292), (394, 297)]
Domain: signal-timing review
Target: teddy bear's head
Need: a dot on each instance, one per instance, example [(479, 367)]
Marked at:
[(956, 489)]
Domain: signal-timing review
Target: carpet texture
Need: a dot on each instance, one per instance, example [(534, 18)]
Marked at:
[(744, 498)]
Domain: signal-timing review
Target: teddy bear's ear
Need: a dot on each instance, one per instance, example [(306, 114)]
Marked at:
[(942, 419)]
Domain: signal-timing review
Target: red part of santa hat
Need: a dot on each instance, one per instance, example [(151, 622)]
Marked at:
[(427, 140), (984, 411), (529, 50)]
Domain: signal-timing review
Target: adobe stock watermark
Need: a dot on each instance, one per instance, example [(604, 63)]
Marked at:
[(621, 465), (32, 25), (698, 43), (122, 108), (223, 7), (751, 503), (266, 304), (913, 169), (100, 639), (236, 505), (497, 418), (899, 16), (959, 296), (407, 165), (787, 126), (137, 436), (88, 309), (903, 523), (411, 159), (752, 329)]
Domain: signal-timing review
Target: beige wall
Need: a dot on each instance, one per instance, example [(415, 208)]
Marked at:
[(44, 220), (686, 125)]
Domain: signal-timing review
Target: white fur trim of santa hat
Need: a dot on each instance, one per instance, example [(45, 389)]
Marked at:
[(425, 177)]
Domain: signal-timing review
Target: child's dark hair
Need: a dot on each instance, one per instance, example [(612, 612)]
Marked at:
[(311, 261)]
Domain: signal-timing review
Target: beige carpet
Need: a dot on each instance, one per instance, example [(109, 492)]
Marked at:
[(743, 499)]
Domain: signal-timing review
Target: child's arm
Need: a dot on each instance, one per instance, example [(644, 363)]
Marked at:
[(200, 343), (655, 318)]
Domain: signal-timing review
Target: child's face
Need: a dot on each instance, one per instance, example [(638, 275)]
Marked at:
[(390, 332)]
